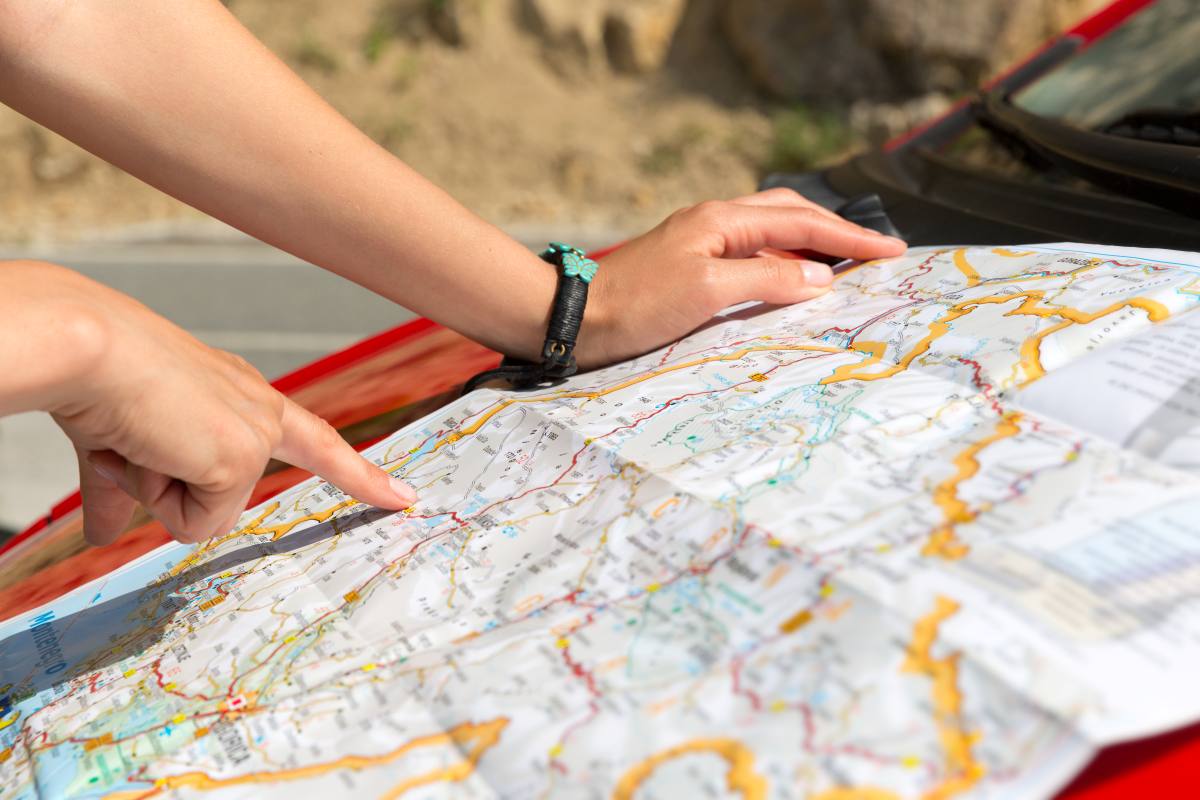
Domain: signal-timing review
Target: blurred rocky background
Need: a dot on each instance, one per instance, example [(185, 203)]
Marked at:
[(603, 113)]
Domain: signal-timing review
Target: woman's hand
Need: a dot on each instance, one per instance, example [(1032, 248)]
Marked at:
[(702, 259), (156, 416)]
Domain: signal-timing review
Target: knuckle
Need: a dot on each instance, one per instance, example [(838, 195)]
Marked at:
[(275, 401), (239, 464), (773, 272), (708, 214), (710, 280), (243, 374), (781, 193), (322, 428), (678, 223), (254, 458), (269, 430), (785, 278), (220, 475), (326, 434), (238, 363)]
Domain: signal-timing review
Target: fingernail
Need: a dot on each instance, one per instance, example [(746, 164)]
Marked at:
[(406, 493), (872, 231), (900, 242), (102, 472), (817, 274)]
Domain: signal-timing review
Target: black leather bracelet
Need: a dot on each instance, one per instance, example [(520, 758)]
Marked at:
[(575, 272)]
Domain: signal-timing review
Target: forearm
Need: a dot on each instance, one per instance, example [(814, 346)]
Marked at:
[(182, 96), (49, 336)]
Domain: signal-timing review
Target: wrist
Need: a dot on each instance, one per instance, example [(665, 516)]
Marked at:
[(66, 341), (592, 350), (82, 338), (558, 357)]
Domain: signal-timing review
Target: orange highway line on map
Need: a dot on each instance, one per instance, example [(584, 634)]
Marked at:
[(453, 576), (856, 793), (1031, 360), (962, 770), (253, 529), (282, 529), (740, 776), (964, 266), (203, 549), (1030, 349), (1004, 251), (480, 736), (943, 542)]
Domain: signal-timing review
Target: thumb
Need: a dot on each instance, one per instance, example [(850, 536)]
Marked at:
[(779, 281), (107, 509), (312, 443)]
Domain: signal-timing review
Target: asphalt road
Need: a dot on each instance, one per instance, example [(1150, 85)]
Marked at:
[(274, 310)]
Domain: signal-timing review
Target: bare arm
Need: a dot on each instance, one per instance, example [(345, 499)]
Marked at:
[(178, 93), (181, 95)]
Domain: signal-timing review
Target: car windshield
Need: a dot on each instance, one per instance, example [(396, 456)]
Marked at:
[(1142, 80), (1151, 62)]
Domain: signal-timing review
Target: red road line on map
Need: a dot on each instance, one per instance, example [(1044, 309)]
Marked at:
[(738, 689)]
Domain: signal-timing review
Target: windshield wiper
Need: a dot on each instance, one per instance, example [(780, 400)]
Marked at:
[(1160, 173), (1169, 125)]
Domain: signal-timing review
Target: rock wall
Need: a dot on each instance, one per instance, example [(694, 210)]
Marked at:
[(888, 49), (829, 50)]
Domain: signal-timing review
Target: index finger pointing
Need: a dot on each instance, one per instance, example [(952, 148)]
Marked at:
[(311, 443)]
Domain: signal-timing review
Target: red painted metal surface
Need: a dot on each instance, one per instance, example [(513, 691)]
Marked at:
[(1106, 19), (1166, 766)]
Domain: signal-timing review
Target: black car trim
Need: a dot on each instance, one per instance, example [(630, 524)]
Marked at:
[(1166, 175)]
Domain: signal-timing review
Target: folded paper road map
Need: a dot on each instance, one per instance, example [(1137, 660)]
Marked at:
[(933, 535)]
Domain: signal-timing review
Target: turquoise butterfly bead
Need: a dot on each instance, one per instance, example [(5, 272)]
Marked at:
[(577, 265)]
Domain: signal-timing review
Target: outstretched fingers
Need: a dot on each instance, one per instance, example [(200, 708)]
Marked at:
[(747, 230)]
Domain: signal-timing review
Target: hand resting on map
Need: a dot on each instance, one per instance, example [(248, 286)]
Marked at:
[(156, 416), (666, 283)]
